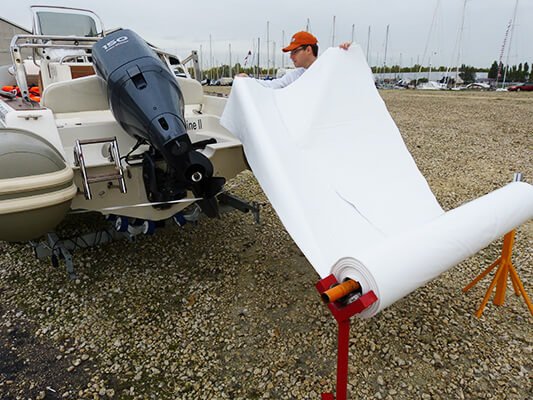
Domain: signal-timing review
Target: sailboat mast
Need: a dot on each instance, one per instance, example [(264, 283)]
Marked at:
[(386, 45), (368, 45), (510, 41), (273, 59), (399, 68), (457, 47), (230, 67), (353, 33), (333, 33), (283, 44), (503, 50), (428, 39), (210, 57), (268, 46), (258, 52)]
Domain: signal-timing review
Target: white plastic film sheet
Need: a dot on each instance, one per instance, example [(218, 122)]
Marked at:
[(334, 166)]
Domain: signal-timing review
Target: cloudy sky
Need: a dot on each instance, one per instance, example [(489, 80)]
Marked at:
[(180, 26)]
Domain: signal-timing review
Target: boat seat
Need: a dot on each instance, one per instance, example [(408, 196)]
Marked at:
[(83, 94), (192, 90), (32, 72), (79, 71), (89, 94)]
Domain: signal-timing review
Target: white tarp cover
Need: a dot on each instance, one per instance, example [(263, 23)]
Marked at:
[(334, 166)]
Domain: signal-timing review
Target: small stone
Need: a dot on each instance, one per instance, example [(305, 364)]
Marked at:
[(76, 362)]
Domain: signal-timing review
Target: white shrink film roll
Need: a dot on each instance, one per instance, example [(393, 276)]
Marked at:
[(398, 265), (333, 164)]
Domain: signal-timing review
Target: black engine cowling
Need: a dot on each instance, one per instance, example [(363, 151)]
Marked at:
[(146, 100)]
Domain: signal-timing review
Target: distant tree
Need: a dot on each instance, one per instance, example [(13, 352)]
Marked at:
[(501, 69), (512, 74), (493, 71), (520, 73), (467, 73), (526, 72)]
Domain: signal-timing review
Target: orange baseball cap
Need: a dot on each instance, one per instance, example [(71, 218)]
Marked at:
[(300, 39)]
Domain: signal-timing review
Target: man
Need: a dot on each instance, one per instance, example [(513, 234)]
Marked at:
[(303, 50)]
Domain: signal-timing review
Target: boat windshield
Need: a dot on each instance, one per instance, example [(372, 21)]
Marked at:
[(66, 24)]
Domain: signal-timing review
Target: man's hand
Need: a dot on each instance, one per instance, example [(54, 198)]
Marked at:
[(345, 46)]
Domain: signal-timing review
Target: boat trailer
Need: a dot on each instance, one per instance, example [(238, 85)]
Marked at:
[(121, 227)]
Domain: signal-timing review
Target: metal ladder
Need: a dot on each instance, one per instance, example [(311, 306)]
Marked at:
[(79, 160)]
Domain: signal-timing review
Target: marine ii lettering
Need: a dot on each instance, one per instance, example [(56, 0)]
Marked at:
[(194, 125)]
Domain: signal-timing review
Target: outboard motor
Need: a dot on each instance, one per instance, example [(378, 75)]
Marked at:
[(146, 100)]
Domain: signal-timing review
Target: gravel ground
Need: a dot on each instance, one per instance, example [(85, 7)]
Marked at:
[(228, 310)]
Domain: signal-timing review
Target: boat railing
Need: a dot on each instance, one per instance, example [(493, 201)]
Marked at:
[(193, 58), (40, 45)]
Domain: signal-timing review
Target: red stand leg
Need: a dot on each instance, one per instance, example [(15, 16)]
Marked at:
[(342, 314), (342, 359)]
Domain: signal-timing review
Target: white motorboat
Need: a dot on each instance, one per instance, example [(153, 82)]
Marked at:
[(432, 85), (115, 130)]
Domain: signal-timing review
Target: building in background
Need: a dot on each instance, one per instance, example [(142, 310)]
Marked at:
[(7, 31)]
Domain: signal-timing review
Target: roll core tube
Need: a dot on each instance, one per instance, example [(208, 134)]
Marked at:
[(339, 291)]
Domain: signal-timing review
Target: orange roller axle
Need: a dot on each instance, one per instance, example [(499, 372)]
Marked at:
[(339, 291)]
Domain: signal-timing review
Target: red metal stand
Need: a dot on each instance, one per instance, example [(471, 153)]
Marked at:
[(342, 314)]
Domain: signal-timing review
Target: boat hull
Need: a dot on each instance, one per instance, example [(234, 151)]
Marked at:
[(36, 186), (31, 224)]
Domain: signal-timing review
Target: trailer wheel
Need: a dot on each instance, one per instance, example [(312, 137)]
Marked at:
[(179, 219), (121, 224), (148, 227)]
